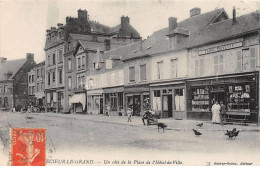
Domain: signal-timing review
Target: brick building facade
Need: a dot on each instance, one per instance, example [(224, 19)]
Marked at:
[(14, 82)]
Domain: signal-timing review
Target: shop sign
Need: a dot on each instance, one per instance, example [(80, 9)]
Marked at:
[(220, 48)]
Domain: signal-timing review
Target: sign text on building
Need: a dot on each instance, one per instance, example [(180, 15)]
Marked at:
[(220, 48)]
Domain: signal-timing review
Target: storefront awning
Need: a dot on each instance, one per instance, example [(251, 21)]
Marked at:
[(78, 98), (39, 95), (114, 90), (95, 92)]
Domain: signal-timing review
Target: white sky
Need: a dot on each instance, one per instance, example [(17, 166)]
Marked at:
[(23, 23)]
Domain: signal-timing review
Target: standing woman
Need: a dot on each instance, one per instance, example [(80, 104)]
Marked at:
[(216, 113)]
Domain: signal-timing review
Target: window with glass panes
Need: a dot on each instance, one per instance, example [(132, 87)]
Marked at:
[(60, 75), (160, 70), (83, 81), (174, 67), (42, 72), (38, 73), (37, 87), (113, 102), (131, 74), (53, 59), (69, 64), (70, 81), (53, 77), (60, 56), (49, 78), (79, 81), (83, 62), (79, 63)]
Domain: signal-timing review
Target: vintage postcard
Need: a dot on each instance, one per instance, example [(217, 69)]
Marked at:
[(129, 83)]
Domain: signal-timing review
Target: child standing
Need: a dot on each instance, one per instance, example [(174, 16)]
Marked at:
[(129, 114)]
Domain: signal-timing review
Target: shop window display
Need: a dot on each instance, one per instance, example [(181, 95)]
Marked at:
[(240, 98), (200, 99)]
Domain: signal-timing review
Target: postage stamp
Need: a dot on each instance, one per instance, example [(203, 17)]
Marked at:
[(28, 146)]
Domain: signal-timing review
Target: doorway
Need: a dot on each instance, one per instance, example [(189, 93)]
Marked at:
[(136, 105), (101, 106), (167, 106), (217, 96)]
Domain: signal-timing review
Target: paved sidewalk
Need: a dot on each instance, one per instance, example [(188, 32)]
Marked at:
[(177, 125)]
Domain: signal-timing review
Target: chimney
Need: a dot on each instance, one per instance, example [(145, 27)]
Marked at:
[(195, 11), (124, 20), (29, 56), (234, 15), (172, 23)]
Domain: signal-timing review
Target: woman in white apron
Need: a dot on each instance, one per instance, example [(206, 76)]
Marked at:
[(216, 113)]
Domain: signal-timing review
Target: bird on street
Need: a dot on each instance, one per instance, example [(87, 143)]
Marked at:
[(200, 124), (196, 132)]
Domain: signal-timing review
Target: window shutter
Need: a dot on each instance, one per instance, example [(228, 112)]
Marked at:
[(131, 74), (201, 66), (239, 61), (143, 72), (252, 58)]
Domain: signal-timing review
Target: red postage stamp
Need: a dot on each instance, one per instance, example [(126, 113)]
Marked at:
[(28, 146)]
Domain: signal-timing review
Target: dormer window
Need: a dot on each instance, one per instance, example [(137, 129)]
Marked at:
[(96, 65), (172, 40), (220, 18)]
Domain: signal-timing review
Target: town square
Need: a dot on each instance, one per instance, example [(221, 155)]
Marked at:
[(164, 82)]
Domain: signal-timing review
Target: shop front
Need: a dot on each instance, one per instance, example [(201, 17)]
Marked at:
[(95, 101), (78, 102), (238, 92), (114, 102), (137, 98), (51, 101), (168, 99), (40, 101)]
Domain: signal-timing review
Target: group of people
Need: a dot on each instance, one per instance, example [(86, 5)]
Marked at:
[(147, 116), (218, 112)]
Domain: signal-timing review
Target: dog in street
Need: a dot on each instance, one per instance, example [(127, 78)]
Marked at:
[(161, 125)]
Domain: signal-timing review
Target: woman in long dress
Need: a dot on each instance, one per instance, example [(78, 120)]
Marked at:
[(216, 113)]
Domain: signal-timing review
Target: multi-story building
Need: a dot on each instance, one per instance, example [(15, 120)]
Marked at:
[(31, 86), (39, 85), (54, 68), (158, 69), (105, 82), (224, 66), (81, 48), (14, 82)]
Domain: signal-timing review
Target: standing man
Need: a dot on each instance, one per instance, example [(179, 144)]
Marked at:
[(223, 110)]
